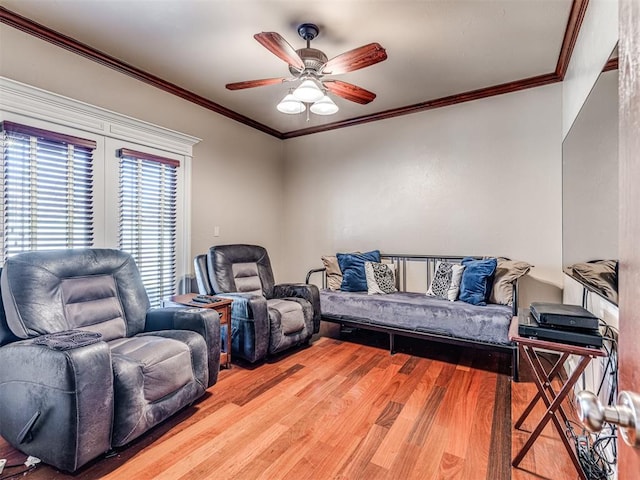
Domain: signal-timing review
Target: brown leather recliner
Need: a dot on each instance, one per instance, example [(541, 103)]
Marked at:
[(85, 364), (265, 318)]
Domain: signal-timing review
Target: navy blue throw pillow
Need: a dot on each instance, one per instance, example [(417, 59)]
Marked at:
[(354, 278), (477, 280)]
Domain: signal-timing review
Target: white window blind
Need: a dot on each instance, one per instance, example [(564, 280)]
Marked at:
[(148, 224), (46, 182)]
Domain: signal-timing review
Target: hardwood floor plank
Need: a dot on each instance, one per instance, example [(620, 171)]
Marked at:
[(153, 461), (500, 444), (260, 389), (388, 416), (312, 464), (450, 467), (477, 455), (409, 365), (219, 465), (276, 452), (357, 463), (399, 431), (458, 409), (422, 426), (419, 463)]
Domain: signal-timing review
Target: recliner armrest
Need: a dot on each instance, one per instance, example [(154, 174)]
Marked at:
[(205, 321), (73, 392), (252, 309), (301, 290)]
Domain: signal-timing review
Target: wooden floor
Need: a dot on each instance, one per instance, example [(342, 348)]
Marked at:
[(344, 410)]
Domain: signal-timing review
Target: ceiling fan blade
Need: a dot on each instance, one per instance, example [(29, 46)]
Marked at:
[(355, 59), (349, 91), (277, 45), (254, 83)]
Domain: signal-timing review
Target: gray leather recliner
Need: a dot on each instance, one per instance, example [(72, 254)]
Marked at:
[(85, 365), (265, 318)]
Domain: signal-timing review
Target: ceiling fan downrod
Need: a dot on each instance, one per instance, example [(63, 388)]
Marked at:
[(308, 31)]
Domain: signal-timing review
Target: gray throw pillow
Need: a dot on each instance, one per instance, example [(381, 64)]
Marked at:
[(381, 278), (446, 281)]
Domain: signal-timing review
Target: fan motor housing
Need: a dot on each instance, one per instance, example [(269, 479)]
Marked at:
[(313, 60)]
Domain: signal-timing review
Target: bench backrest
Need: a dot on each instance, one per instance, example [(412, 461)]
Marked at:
[(415, 272)]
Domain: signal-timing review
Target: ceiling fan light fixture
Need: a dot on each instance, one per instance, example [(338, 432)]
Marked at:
[(291, 105), (308, 92), (324, 106)]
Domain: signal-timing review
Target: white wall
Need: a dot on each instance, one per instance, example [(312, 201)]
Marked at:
[(597, 38), (479, 178), (237, 178)]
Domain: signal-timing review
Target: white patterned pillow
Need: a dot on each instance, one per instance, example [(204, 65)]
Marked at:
[(446, 281), (381, 278)]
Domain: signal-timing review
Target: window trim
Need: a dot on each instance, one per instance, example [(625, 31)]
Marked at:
[(47, 134), (126, 152)]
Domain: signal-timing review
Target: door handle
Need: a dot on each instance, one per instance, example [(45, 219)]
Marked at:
[(626, 414)]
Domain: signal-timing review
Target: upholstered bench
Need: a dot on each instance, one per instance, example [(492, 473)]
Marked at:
[(415, 314)]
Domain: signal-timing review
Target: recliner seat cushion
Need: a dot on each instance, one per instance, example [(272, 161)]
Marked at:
[(163, 364), (287, 314), (278, 339), (155, 373)]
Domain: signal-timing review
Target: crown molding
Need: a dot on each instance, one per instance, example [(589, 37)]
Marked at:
[(532, 82), (576, 16), (25, 100)]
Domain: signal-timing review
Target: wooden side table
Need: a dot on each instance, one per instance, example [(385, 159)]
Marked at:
[(223, 307), (552, 399)]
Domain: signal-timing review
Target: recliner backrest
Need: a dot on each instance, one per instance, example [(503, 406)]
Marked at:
[(99, 290), (6, 336), (202, 274), (240, 268)]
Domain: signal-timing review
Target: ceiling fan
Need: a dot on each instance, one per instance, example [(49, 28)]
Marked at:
[(312, 66)]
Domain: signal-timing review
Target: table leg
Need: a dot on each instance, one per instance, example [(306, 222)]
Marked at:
[(554, 371), (548, 378), (553, 406)]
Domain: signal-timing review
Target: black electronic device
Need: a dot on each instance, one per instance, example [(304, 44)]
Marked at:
[(566, 316), (204, 299), (528, 327)]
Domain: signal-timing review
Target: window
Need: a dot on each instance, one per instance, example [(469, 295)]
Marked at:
[(147, 221), (46, 182), (62, 183)]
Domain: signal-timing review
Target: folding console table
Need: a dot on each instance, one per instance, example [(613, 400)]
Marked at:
[(552, 399)]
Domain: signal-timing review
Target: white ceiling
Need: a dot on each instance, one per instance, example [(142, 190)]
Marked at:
[(435, 48)]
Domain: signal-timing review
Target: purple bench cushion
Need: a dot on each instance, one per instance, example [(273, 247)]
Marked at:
[(418, 312)]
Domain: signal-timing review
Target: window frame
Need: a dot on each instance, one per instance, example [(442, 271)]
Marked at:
[(47, 152), (155, 158)]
